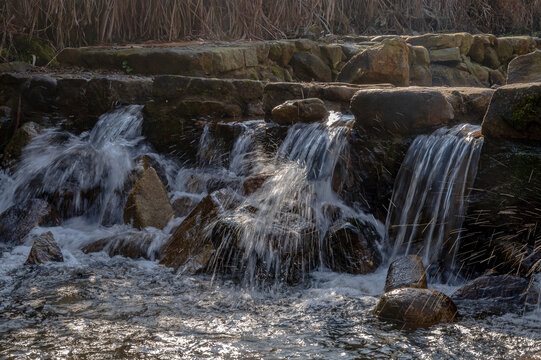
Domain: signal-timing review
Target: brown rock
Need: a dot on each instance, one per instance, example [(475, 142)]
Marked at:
[(515, 113), (184, 205), (441, 41), (190, 245), (294, 111), (384, 63), (309, 67), (350, 247), (406, 272), (254, 182), (403, 111), (449, 76), (23, 136), (45, 249), (445, 55), (525, 68), (416, 308), (148, 204), (477, 50), (497, 78)]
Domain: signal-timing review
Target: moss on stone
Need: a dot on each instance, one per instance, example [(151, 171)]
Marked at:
[(526, 111), (27, 46)]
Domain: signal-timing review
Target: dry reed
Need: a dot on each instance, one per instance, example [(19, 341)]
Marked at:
[(88, 22)]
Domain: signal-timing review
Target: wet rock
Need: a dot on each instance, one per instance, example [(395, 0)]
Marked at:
[(254, 182), (406, 272), (133, 244), (525, 69), (190, 246), (148, 203), (469, 104), (309, 67), (498, 294), (44, 250), (17, 221), (184, 205), (384, 63), (515, 113), (511, 257), (445, 55), (416, 308), (23, 136), (294, 111), (403, 111), (350, 247)]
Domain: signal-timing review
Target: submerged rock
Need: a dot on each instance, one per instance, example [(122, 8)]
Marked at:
[(184, 205), (416, 308), (132, 245), (45, 249), (17, 221), (190, 245), (406, 272), (525, 68), (148, 204), (254, 182), (498, 294), (384, 63), (350, 247), (294, 111)]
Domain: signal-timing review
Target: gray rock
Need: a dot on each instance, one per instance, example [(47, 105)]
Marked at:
[(44, 250), (406, 272)]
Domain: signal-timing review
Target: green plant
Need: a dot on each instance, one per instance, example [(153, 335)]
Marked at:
[(126, 67), (526, 111)]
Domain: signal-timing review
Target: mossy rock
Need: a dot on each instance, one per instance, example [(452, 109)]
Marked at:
[(27, 46), (526, 111)]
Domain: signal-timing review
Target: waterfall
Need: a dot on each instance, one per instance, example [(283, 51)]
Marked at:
[(277, 231), (85, 174), (430, 193)]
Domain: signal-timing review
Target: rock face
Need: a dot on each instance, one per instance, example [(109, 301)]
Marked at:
[(445, 55), (406, 272), (148, 204), (190, 245), (525, 68), (400, 111), (132, 245), (498, 294), (22, 137), (384, 63), (416, 308), (350, 247), (515, 113), (463, 41), (294, 111), (17, 221), (45, 249)]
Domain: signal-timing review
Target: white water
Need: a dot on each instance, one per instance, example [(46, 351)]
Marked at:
[(430, 194), (93, 307)]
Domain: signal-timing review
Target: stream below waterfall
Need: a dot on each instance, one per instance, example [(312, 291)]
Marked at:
[(92, 306)]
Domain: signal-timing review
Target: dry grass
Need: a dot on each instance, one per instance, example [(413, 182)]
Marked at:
[(78, 22)]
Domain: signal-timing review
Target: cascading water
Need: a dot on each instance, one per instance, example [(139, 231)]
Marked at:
[(430, 194), (277, 232)]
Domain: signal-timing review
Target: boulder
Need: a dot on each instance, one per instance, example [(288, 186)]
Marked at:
[(469, 104), (17, 221), (309, 67), (148, 203), (350, 247), (333, 54), (504, 49), (402, 111), (521, 44), (281, 52), (491, 58), (515, 113), (497, 78), (525, 68), (416, 308), (448, 55), (449, 76), (498, 294), (384, 63), (132, 244), (406, 272), (190, 246), (479, 45), (14, 148), (294, 111), (252, 183), (44, 250), (463, 41), (15, 67)]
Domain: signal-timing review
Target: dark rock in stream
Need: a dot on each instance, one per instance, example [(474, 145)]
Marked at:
[(133, 244), (44, 250), (17, 221), (304, 110), (416, 308), (406, 272), (350, 247), (23, 136)]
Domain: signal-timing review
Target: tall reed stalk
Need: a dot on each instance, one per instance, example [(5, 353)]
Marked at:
[(87, 22)]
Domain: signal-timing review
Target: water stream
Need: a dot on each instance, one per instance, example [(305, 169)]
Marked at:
[(94, 307)]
